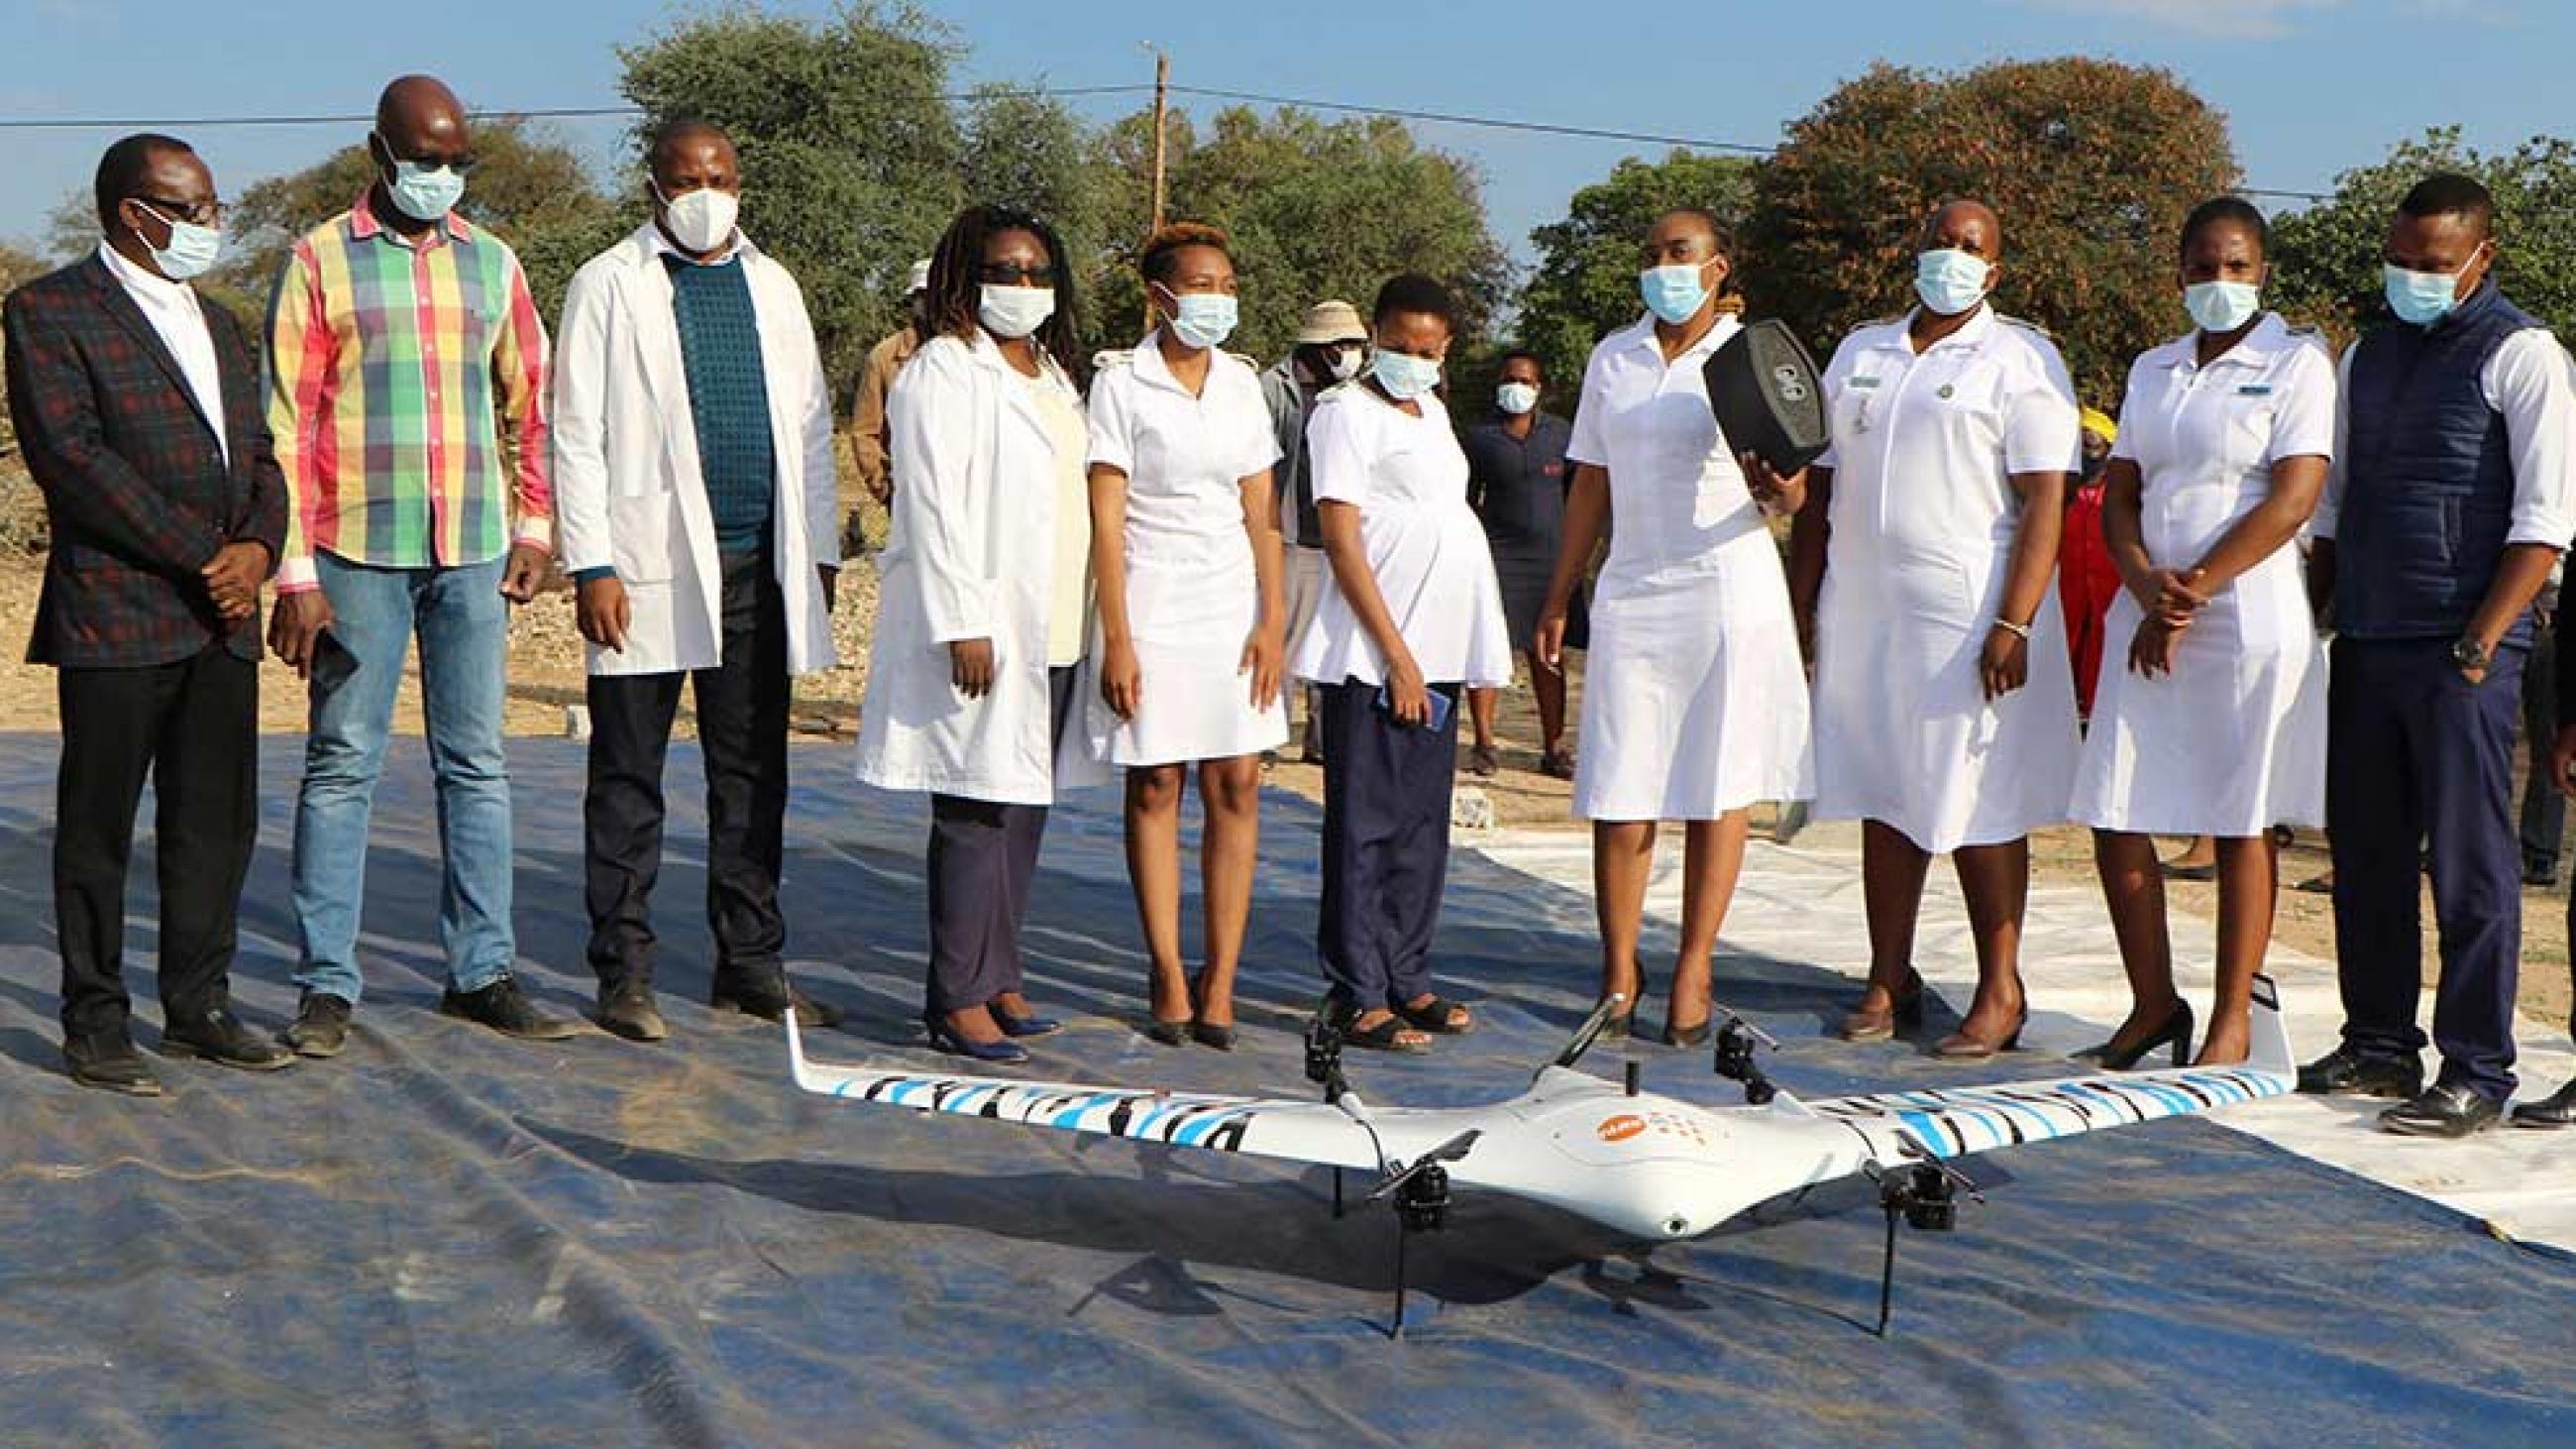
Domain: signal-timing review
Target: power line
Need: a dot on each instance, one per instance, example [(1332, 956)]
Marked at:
[(1451, 118)]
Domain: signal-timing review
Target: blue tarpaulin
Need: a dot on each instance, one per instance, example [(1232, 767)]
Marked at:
[(443, 1237)]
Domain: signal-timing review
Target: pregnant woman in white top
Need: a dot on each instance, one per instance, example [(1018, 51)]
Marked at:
[(1185, 542), (1694, 700), (2216, 725)]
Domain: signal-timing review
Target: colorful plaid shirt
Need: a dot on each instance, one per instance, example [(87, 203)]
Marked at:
[(407, 385)]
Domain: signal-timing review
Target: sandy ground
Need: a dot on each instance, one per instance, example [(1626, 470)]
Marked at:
[(546, 677)]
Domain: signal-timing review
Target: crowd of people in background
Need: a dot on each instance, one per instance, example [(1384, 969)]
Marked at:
[(1993, 611)]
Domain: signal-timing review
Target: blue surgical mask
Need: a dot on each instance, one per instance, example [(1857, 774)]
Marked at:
[(1516, 398), (1950, 281), (424, 193), (2222, 306), (1202, 319), (2420, 299), (1403, 375), (1674, 293), (191, 251)]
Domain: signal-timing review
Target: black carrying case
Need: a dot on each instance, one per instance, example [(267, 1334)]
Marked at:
[(1768, 396)]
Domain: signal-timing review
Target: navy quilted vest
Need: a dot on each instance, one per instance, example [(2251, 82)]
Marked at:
[(2428, 492)]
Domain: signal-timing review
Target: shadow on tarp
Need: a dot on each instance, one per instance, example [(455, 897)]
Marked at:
[(444, 1237)]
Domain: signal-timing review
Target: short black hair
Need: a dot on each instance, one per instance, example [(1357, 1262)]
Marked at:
[(122, 169), (2448, 193), (2227, 209), (672, 132), (1413, 292), (1522, 354), (956, 289)]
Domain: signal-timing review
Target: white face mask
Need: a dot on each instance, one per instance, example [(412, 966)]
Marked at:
[(192, 248), (1010, 313), (700, 220), (1516, 398), (1346, 362)]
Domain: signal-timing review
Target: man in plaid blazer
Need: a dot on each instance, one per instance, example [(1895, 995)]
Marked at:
[(139, 410)]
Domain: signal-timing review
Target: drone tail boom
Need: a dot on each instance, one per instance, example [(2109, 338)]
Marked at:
[(2271, 1045)]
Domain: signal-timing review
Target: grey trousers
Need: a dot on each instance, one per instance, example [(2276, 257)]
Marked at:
[(982, 857)]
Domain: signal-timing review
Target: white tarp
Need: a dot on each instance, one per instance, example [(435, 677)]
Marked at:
[(1804, 904)]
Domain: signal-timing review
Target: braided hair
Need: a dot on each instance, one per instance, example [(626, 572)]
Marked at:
[(955, 293)]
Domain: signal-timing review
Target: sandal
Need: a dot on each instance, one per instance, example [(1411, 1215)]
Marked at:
[(1387, 1036), (1438, 1016)]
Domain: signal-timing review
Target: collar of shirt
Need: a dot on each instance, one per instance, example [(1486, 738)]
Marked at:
[(1151, 369), (155, 293), (662, 247), (1641, 336), (365, 225), (1974, 334), (2255, 349)]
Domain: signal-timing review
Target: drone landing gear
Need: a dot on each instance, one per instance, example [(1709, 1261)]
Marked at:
[(1925, 1193)]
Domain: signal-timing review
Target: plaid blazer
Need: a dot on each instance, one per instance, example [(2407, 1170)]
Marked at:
[(137, 493)]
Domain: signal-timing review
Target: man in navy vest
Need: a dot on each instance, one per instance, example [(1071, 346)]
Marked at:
[(2454, 492)]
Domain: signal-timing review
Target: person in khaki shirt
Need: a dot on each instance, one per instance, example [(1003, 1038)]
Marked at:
[(868, 428)]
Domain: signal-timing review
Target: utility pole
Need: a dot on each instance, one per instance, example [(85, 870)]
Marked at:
[(1162, 88)]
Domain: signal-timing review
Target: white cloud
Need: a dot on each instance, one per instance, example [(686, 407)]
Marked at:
[(2204, 17)]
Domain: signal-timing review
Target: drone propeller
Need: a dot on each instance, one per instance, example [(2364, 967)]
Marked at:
[(1421, 1193), (1586, 1034), (1449, 1151), (1925, 1193), (1734, 1059)]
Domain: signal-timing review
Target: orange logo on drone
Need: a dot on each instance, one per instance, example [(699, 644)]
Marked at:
[(1621, 1128)]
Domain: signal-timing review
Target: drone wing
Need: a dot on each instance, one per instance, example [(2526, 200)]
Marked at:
[(1290, 1131), (1957, 1121)]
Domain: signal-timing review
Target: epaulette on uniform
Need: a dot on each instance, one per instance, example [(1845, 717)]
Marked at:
[(2009, 320), (1109, 359), (1250, 362)]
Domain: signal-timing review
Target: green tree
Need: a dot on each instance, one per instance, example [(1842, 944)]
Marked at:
[(1316, 209), (1585, 282), (2091, 164), (2326, 259), (852, 157), (16, 267)]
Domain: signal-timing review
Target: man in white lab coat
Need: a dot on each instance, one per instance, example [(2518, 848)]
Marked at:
[(693, 449)]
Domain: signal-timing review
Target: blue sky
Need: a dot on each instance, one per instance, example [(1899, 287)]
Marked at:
[(2311, 86)]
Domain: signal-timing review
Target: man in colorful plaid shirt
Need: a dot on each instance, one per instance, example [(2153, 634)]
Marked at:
[(407, 387)]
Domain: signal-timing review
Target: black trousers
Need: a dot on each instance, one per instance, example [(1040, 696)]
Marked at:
[(742, 732), (192, 728), (2415, 753), (983, 855), (1386, 846)]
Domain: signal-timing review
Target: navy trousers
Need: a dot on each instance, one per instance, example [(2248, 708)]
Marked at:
[(983, 856), (2417, 756), (1386, 846)]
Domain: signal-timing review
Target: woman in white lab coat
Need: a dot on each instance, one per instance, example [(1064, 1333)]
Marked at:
[(2211, 715), (1694, 700), (984, 608), (1185, 543)]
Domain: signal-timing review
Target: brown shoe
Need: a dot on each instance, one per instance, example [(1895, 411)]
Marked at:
[(1557, 764), (1904, 1009), (1960, 1046)]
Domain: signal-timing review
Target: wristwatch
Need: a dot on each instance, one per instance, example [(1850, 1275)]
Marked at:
[(2471, 655)]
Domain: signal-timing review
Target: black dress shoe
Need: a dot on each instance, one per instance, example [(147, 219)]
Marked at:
[(320, 1027), (2558, 1109), (506, 1009), (2173, 1031), (220, 1037), (770, 997), (110, 1063), (626, 1009), (2442, 1111), (2346, 1072)]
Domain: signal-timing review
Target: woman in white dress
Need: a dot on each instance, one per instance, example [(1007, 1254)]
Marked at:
[(1694, 700), (1412, 614), (1193, 608), (984, 609), (1944, 695), (2216, 726)]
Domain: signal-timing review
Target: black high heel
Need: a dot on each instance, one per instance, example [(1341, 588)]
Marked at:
[(2175, 1029)]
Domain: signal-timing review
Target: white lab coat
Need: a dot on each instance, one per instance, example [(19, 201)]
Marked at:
[(628, 492), (971, 556)]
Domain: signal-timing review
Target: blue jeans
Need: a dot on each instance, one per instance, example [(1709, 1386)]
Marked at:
[(463, 625)]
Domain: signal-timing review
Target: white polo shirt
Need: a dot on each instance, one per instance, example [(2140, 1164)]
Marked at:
[(1408, 478), (1925, 445), (174, 312)]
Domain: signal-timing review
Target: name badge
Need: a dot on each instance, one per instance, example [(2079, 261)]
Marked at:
[(1863, 383), (2255, 389)]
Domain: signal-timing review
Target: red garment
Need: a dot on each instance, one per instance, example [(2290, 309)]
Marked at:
[(2087, 582)]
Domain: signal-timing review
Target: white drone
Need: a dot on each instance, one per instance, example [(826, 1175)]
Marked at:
[(1645, 1165)]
